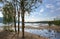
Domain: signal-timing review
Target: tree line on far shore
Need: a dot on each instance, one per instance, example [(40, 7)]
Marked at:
[(55, 22)]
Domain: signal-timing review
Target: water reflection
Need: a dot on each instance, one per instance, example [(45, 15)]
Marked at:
[(45, 33), (52, 34)]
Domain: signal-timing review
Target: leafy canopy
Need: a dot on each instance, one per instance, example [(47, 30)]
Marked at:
[(8, 13)]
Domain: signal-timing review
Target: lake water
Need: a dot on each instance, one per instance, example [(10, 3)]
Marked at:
[(45, 33)]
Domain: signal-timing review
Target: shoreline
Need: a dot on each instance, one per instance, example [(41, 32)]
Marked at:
[(12, 35)]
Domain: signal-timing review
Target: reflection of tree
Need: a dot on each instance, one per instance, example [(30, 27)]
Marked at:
[(49, 30)]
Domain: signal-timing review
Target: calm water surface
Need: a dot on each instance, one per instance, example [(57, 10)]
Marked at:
[(45, 33)]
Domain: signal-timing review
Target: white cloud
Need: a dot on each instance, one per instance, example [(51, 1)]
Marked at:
[(39, 19), (31, 19), (42, 10), (26, 14), (1, 14), (48, 19), (50, 6)]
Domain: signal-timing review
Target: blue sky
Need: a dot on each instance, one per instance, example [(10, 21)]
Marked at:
[(48, 10)]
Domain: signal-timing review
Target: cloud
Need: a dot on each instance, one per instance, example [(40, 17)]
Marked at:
[(42, 10), (48, 19), (58, 9), (26, 13), (57, 17), (52, 11), (31, 19), (58, 3), (39, 19), (50, 6), (1, 14)]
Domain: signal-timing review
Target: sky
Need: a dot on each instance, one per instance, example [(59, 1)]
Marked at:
[(48, 10)]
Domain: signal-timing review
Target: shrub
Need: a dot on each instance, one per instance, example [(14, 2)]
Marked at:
[(57, 22), (5, 28)]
